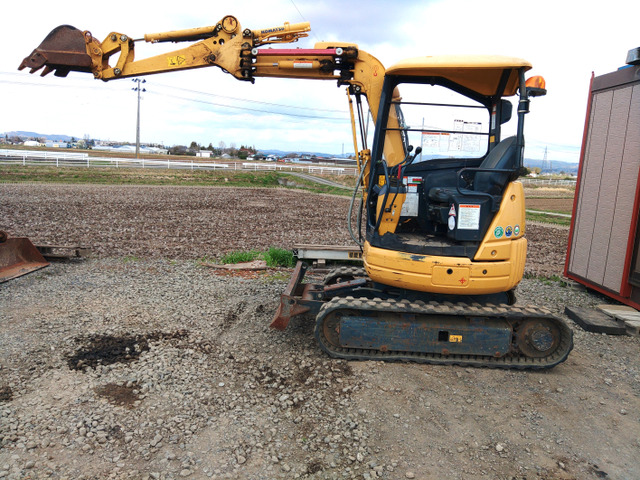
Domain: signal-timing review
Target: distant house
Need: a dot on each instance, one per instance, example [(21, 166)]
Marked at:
[(52, 144), (204, 154), (33, 143)]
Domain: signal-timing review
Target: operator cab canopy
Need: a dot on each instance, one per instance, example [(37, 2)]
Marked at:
[(484, 74)]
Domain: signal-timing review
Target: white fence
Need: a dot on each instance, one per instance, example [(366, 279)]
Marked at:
[(547, 182), (69, 159)]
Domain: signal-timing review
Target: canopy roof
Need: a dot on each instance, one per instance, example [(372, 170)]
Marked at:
[(480, 73)]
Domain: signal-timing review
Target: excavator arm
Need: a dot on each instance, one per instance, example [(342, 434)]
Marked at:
[(225, 45)]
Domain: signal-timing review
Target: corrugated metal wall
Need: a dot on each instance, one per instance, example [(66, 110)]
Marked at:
[(604, 210)]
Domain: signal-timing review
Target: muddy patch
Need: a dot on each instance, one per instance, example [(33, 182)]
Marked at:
[(121, 395), (6, 394), (109, 349)]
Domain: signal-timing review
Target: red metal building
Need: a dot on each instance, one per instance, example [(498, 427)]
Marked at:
[(604, 240)]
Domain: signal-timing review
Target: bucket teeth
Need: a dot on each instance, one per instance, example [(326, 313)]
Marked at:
[(62, 51)]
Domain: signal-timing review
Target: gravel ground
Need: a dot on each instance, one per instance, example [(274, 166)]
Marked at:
[(121, 366)]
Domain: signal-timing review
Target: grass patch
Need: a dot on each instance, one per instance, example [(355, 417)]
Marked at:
[(240, 257), (149, 176), (544, 218), (553, 280), (279, 257), (275, 257)]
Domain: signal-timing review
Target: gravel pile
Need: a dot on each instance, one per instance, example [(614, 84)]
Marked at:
[(113, 368)]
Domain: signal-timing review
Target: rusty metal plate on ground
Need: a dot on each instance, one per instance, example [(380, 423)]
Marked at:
[(18, 256)]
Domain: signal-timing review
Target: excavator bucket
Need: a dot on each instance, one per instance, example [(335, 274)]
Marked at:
[(18, 256), (62, 51)]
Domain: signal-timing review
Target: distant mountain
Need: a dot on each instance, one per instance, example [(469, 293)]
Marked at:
[(556, 166), (282, 153), (27, 135)]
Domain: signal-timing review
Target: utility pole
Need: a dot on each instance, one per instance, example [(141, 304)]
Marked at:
[(138, 89)]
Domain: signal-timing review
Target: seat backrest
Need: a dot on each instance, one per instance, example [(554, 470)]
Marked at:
[(502, 157)]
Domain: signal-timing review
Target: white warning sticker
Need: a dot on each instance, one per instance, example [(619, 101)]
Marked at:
[(412, 200), (410, 205), (468, 217)]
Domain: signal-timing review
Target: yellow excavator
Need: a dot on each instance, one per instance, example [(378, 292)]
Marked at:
[(441, 226)]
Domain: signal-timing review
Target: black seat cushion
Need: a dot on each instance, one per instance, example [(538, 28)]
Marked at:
[(502, 157)]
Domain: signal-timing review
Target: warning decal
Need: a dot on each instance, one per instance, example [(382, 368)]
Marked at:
[(175, 61), (469, 217)]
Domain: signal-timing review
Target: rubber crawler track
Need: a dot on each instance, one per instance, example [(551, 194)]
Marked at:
[(513, 314), (342, 272)]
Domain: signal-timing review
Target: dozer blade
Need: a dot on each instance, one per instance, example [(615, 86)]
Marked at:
[(62, 51), (18, 256)]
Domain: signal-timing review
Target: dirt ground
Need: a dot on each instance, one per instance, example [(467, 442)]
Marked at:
[(198, 222), (561, 205), (141, 363)]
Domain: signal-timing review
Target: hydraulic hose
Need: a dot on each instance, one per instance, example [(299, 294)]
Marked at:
[(353, 200)]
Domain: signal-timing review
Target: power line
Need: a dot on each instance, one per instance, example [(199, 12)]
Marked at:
[(235, 107), (198, 92), (260, 102), (304, 19)]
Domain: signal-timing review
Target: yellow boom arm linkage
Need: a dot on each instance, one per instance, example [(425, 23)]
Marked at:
[(227, 46)]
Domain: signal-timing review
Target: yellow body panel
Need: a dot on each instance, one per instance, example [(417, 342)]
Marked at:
[(511, 219), (390, 218), (498, 266)]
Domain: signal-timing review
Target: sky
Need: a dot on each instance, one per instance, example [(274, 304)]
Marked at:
[(565, 42)]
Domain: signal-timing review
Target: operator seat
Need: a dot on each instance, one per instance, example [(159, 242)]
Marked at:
[(484, 188), (502, 157)]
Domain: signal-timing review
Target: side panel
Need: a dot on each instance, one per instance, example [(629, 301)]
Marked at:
[(605, 205), (590, 184), (626, 195)]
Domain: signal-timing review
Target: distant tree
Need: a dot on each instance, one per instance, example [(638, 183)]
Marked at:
[(222, 146), (178, 150), (194, 146)]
